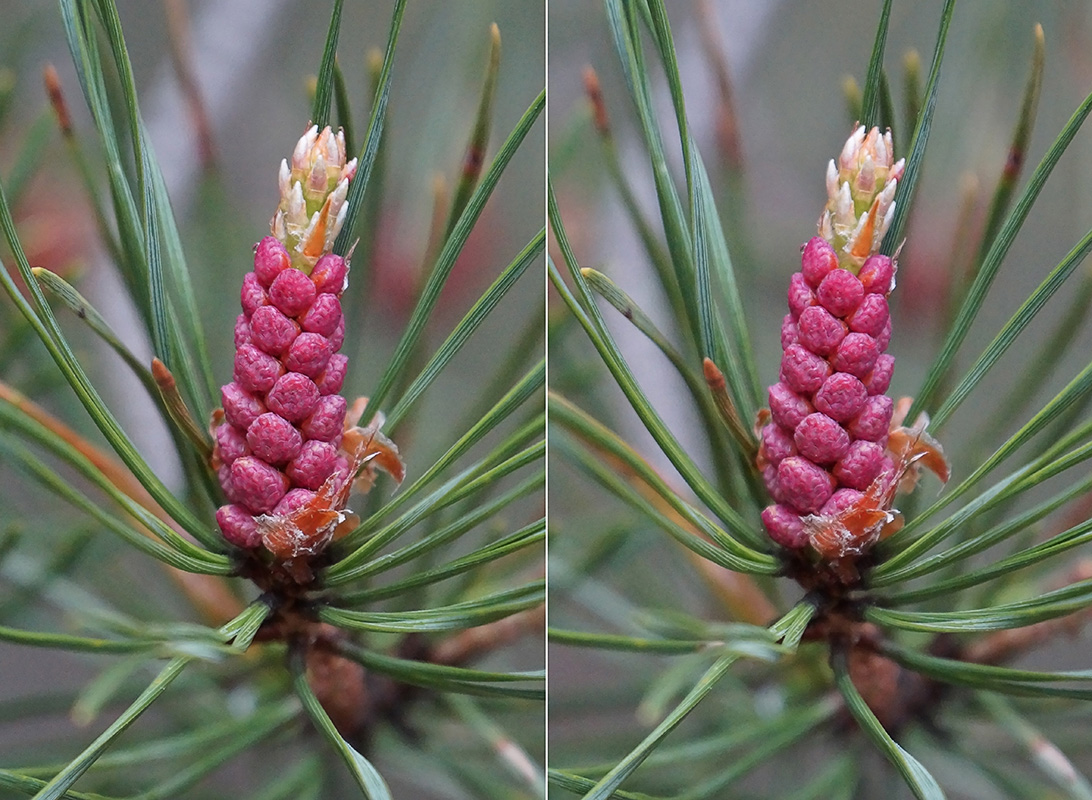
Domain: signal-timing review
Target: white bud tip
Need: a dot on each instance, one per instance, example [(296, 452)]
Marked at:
[(303, 147), (316, 181), (341, 214), (296, 205), (844, 205), (284, 178), (881, 149), (852, 146), (887, 217)]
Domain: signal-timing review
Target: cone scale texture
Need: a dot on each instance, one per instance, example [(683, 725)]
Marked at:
[(824, 446), (825, 443), (283, 410), (285, 457)]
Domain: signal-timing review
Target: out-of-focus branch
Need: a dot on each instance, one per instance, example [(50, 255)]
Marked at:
[(473, 643), (728, 139), (178, 35), (741, 596), (1004, 646), (208, 594)]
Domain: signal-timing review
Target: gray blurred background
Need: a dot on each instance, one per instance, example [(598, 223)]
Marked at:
[(251, 60), (787, 62)]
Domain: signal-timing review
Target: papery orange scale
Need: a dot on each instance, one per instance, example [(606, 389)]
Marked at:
[(347, 526), (853, 530), (915, 449), (892, 527), (306, 530), (862, 248), (311, 527), (386, 456), (858, 526), (367, 445), (316, 242)]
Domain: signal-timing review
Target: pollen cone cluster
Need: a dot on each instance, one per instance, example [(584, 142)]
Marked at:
[(823, 452), (278, 441)]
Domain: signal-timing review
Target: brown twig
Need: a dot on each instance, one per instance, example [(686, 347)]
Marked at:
[(338, 683), (718, 388), (176, 407), (595, 98), (56, 99)]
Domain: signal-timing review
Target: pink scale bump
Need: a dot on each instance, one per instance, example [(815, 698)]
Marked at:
[(790, 334), (329, 273), (292, 292), (840, 293), (777, 444), (240, 407), (883, 338), (224, 476), (341, 472), (254, 370), (238, 526), (294, 500), (856, 355), (242, 331), (252, 295), (323, 315), (877, 275), (800, 294), (817, 260), (332, 378), (258, 486), (871, 315), (293, 396), (879, 379), (787, 408), (272, 331), (841, 397), (860, 465), (313, 465), (784, 526), (804, 486), (308, 354), (840, 501), (327, 420), (230, 443), (338, 336), (773, 486), (820, 331), (273, 439), (887, 470), (270, 260), (820, 439), (802, 370), (874, 420)]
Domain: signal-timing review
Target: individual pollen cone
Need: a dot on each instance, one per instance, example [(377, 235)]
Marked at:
[(825, 444), (278, 442), (824, 454), (283, 412)]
